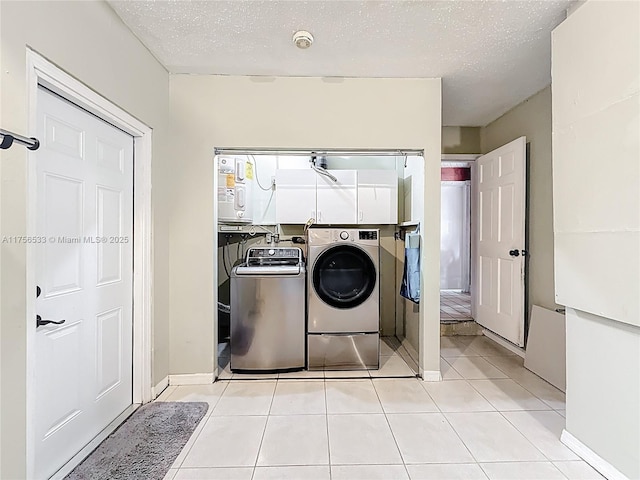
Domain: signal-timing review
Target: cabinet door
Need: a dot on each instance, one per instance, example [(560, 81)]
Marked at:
[(295, 195), (377, 197), (337, 201)]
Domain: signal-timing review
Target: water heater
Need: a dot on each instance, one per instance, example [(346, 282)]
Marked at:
[(235, 185)]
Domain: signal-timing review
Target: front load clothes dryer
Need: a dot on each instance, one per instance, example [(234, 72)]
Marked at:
[(343, 316)]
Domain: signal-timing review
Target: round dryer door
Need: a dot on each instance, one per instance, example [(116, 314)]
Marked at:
[(344, 276)]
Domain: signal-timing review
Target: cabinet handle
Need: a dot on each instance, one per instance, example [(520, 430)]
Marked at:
[(313, 215), (319, 215), (360, 215)]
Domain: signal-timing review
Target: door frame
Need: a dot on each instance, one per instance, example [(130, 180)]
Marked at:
[(41, 72), (467, 160), (424, 322)]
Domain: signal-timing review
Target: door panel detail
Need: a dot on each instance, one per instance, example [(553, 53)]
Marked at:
[(109, 203), (63, 138), (110, 156), (109, 346), (63, 252)]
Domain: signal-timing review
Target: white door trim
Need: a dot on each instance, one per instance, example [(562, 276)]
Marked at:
[(42, 72), (458, 158)]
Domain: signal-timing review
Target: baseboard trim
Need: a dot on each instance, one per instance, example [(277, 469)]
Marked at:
[(159, 388), (191, 379), (504, 343), (592, 458), (431, 376)]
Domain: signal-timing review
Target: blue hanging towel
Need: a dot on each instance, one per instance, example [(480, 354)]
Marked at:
[(410, 288)]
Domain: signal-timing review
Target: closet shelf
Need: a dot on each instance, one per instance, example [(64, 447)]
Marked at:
[(411, 223)]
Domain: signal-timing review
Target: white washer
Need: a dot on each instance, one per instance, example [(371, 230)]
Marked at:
[(343, 284)]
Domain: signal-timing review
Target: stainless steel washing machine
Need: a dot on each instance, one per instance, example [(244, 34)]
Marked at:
[(343, 310), (268, 311)]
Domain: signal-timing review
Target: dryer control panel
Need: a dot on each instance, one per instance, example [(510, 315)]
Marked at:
[(327, 236), (368, 234)]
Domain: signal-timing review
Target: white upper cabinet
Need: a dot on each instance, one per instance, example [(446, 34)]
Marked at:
[(357, 197), (295, 195), (377, 197), (337, 201)]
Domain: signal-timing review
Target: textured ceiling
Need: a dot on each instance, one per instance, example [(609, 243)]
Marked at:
[(490, 54)]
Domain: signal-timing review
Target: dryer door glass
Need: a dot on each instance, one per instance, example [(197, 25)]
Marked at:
[(344, 276)]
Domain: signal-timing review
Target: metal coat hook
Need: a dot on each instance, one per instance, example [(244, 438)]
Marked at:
[(7, 138)]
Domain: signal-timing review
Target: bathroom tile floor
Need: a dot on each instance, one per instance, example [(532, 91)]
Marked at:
[(489, 419)]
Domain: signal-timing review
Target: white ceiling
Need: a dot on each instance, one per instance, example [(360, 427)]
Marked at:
[(490, 54)]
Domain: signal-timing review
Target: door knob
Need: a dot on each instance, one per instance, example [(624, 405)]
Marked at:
[(514, 253), (40, 322)]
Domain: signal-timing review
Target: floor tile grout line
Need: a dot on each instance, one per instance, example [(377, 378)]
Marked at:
[(483, 470), (326, 419), (264, 431), (523, 386), (219, 398), (527, 437), (508, 378), (451, 426), (460, 438), (485, 376), (395, 441), (521, 461), (501, 413), (204, 421)]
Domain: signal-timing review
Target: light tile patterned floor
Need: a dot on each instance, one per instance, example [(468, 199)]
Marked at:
[(489, 419), (455, 306)]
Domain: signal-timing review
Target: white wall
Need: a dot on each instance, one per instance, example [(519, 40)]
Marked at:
[(90, 42), (460, 139), (596, 169), (225, 111), (603, 388), (596, 180)]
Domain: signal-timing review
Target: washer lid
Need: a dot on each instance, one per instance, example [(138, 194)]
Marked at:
[(344, 276), (269, 270)]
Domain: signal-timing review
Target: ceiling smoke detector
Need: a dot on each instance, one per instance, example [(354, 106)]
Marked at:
[(302, 39)]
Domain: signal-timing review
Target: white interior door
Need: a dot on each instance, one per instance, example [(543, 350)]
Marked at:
[(83, 367), (499, 236)]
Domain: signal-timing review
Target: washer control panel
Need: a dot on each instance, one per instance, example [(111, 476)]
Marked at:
[(272, 256)]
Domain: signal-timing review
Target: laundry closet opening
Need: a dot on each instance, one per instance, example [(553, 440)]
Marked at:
[(310, 259)]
